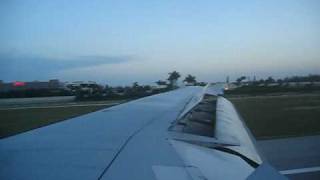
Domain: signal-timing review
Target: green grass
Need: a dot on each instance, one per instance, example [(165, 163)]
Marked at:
[(280, 116), (14, 121)]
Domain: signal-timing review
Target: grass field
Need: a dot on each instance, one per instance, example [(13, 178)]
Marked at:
[(14, 121), (280, 116)]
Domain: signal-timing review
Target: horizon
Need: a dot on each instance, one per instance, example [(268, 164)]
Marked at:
[(120, 43), (180, 80)]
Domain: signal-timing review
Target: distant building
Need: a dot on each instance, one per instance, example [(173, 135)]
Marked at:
[(245, 82), (230, 86), (189, 83), (83, 85), (159, 87), (33, 85), (84, 89), (118, 91)]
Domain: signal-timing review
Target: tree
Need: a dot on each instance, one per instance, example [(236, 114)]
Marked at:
[(173, 77), (190, 79), (136, 89), (135, 85), (269, 80), (280, 81), (240, 79)]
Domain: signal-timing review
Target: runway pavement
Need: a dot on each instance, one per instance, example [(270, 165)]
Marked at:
[(12, 102), (298, 157)]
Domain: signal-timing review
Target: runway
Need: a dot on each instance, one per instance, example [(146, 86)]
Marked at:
[(297, 158)]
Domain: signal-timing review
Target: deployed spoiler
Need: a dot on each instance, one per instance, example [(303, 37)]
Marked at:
[(217, 144)]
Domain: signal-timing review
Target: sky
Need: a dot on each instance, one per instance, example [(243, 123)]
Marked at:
[(119, 42)]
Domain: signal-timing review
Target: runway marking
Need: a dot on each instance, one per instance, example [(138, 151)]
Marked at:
[(59, 106), (300, 170)]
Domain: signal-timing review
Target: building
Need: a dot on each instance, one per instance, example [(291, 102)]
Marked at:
[(85, 89), (33, 85)]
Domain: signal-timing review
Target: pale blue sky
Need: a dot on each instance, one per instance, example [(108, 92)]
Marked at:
[(120, 42)]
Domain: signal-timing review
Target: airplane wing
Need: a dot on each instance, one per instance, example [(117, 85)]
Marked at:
[(187, 134)]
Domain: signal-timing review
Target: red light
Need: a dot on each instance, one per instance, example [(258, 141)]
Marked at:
[(19, 84)]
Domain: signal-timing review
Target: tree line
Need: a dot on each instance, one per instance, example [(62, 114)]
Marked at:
[(136, 90), (270, 79)]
